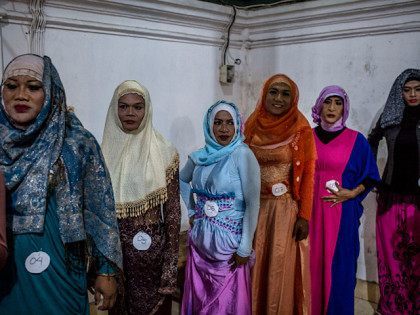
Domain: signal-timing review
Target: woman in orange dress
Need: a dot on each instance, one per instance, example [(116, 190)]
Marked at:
[(282, 141)]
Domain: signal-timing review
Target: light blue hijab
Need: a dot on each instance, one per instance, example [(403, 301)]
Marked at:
[(213, 152)]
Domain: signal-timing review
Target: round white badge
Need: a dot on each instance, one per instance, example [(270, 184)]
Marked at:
[(37, 262), (142, 241), (211, 208), (278, 189), (332, 184)]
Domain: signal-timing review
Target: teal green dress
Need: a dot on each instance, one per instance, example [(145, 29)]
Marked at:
[(75, 208), (60, 289)]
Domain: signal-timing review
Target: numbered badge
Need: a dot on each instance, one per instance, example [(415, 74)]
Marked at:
[(332, 184), (142, 241), (211, 209), (278, 189), (37, 262)]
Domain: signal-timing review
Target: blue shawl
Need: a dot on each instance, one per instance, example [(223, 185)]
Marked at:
[(58, 143), (213, 152)]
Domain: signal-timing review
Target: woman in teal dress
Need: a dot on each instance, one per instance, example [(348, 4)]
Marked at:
[(60, 205)]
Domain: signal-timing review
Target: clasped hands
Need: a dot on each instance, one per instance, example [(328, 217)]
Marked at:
[(342, 194)]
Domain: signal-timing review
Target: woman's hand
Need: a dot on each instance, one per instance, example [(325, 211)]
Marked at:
[(107, 287), (237, 260), (342, 194), (301, 229)]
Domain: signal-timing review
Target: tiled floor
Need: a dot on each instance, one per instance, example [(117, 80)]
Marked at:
[(363, 307), (366, 297)]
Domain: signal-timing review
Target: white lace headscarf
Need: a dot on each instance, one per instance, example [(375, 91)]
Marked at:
[(141, 162)]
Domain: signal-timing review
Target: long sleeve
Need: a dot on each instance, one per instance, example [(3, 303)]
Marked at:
[(103, 266), (306, 190), (366, 164), (3, 244), (375, 137), (185, 177), (172, 218), (249, 172), (307, 179), (99, 206)]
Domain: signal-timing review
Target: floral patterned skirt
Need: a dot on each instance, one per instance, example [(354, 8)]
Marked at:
[(398, 246)]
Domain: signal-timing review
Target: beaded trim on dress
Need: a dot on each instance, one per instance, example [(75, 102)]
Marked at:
[(155, 198)]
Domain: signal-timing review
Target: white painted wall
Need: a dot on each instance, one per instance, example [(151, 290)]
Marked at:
[(365, 67), (174, 48), (94, 55), (331, 47)]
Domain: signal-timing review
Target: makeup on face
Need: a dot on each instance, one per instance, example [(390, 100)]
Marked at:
[(411, 92), (332, 109), (131, 110), (278, 98), (23, 98), (223, 127)]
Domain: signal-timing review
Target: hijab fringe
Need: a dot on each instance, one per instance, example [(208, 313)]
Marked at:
[(152, 200)]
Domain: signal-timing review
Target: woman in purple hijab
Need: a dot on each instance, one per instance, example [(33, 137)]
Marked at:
[(344, 174)]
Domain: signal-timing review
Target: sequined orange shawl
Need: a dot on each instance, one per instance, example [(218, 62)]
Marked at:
[(264, 129)]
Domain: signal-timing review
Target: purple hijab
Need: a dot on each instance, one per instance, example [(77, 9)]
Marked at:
[(332, 90)]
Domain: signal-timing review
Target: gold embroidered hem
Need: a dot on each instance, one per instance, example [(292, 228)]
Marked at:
[(157, 197)]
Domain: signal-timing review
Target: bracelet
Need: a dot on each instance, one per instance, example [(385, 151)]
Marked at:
[(359, 189), (106, 274)]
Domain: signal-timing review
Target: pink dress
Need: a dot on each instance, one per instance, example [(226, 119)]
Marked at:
[(334, 237)]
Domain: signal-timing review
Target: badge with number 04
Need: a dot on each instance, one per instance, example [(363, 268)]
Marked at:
[(37, 262)]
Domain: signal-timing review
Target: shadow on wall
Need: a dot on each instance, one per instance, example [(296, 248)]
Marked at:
[(368, 220), (227, 89), (382, 149), (368, 240), (184, 138)]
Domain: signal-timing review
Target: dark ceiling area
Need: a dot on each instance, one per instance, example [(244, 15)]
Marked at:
[(254, 3)]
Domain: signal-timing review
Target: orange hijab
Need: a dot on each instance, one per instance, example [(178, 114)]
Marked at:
[(263, 128)]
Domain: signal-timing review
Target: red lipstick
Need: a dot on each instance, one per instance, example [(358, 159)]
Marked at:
[(21, 108)]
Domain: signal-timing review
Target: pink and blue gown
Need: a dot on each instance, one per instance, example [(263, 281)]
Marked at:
[(334, 237)]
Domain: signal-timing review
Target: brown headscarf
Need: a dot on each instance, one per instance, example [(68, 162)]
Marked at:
[(264, 129)]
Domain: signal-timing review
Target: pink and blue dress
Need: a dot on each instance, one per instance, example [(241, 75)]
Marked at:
[(334, 236)]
